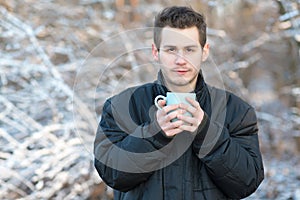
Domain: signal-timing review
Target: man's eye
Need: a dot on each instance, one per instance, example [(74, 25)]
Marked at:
[(171, 50), (190, 50)]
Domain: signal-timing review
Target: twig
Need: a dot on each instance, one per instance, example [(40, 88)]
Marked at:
[(255, 43), (12, 188), (83, 109), (26, 120), (10, 139), (9, 172)]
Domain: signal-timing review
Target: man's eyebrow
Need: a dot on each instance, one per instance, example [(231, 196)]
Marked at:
[(191, 46), (166, 46), (188, 46)]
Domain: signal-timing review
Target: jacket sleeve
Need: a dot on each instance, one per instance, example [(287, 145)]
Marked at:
[(120, 158), (231, 153)]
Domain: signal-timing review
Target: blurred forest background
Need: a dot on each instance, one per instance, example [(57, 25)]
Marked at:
[(60, 59)]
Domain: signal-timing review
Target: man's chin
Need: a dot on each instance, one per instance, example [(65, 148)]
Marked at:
[(183, 84)]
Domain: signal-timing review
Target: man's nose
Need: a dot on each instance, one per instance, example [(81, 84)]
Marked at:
[(180, 59)]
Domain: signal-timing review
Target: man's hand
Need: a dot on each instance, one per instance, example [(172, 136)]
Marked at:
[(184, 123), (192, 123)]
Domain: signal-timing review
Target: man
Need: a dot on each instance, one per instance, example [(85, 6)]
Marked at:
[(143, 154)]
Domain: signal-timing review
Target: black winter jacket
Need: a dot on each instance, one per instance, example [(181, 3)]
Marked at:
[(221, 160)]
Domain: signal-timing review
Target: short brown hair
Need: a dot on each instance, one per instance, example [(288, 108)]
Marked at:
[(179, 17)]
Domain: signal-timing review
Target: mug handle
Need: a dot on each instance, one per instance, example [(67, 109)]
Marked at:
[(158, 98)]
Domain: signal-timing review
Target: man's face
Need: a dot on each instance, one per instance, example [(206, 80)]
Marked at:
[(180, 56)]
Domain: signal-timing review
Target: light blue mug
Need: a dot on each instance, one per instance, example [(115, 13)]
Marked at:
[(175, 98)]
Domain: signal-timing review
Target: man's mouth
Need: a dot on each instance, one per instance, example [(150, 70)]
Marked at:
[(181, 71)]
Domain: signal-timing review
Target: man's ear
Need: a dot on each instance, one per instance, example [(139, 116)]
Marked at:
[(155, 52), (205, 52)]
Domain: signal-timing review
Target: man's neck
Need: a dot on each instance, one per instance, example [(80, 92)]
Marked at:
[(181, 89)]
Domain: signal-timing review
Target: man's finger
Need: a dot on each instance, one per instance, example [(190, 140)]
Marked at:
[(162, 103), (170, 108), (193, 102)]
